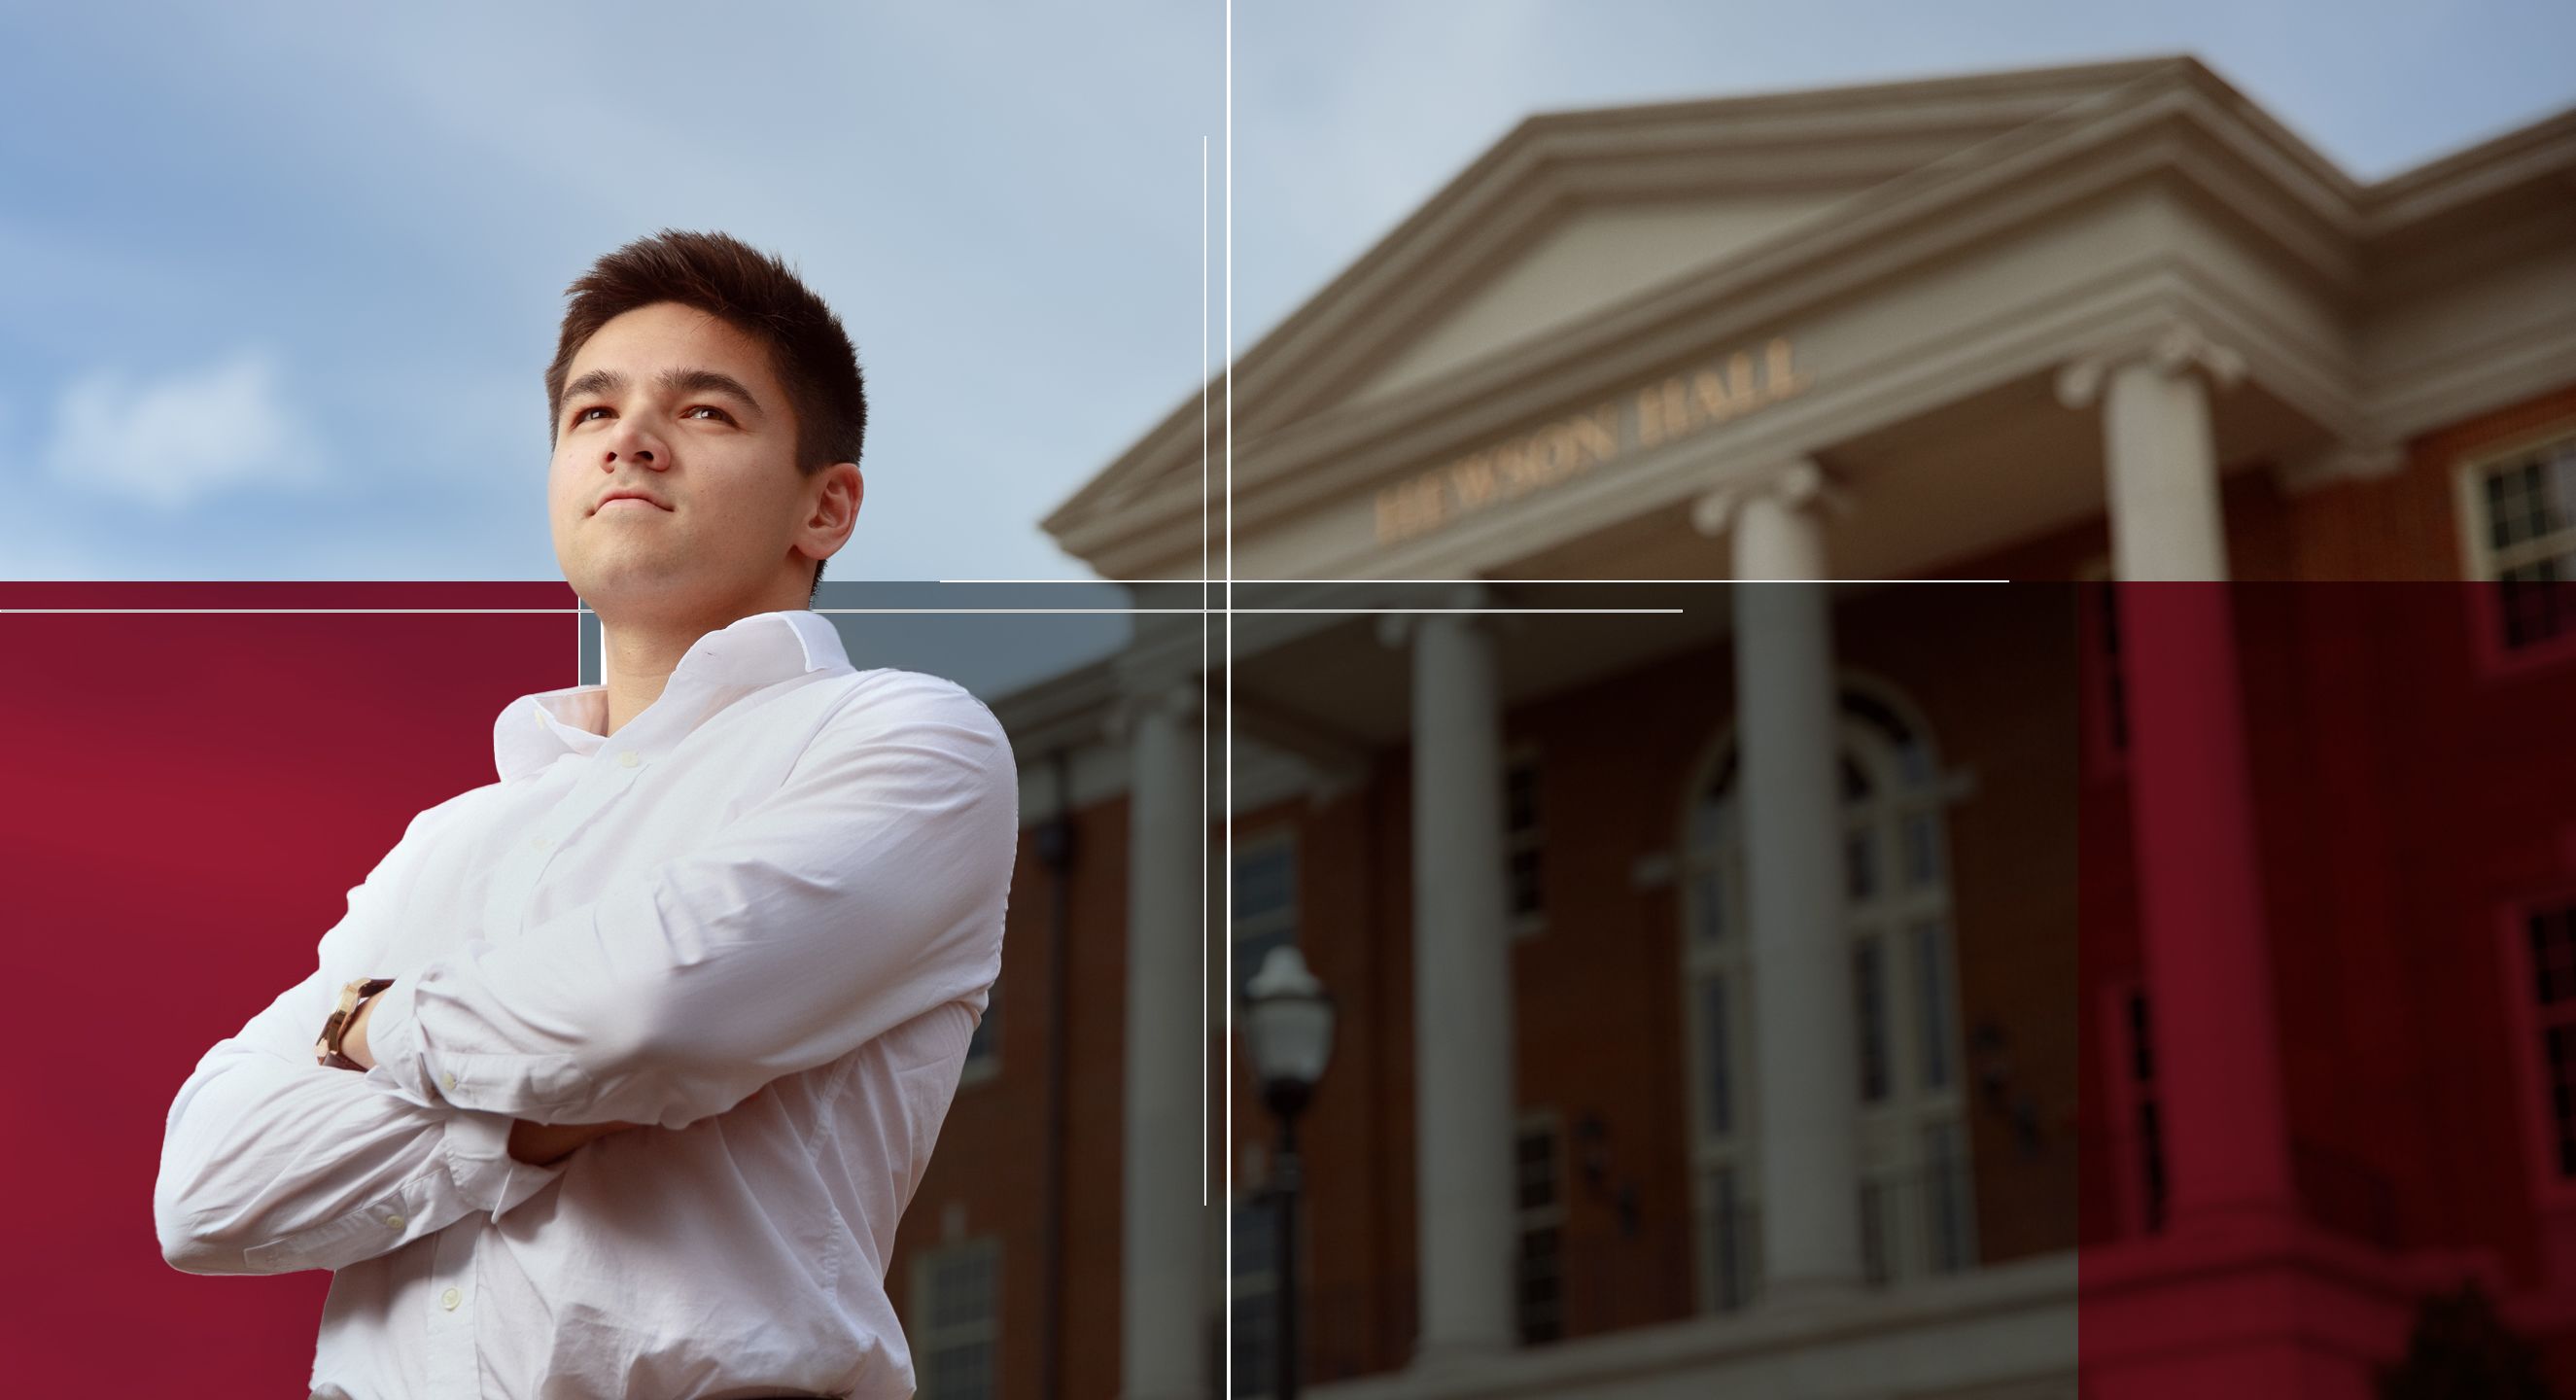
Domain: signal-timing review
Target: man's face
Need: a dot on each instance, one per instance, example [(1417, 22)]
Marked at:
[(679, 405)]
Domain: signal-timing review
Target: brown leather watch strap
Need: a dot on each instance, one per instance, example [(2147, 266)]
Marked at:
[(327, 1049)]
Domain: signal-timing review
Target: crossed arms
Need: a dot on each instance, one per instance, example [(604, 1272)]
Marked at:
[(864, 892)]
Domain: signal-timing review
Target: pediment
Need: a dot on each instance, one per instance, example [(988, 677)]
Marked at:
[(1576, 262), (1570, 217)]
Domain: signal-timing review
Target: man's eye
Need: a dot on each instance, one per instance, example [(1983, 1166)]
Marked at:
[(583, 415)]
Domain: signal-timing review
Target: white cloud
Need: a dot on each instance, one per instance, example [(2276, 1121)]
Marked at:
[(181, 439)]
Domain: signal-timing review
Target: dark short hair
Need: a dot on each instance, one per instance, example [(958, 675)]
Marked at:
[(756, 294)]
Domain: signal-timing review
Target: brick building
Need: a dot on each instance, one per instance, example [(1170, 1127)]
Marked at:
[(2080, 933)]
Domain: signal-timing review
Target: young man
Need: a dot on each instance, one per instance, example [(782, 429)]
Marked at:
[(619, 1072)]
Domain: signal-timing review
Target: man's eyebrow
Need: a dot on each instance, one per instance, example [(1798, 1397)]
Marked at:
[(674, 381)]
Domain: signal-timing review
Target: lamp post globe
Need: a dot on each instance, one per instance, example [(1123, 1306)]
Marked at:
[(1288, 1032), (1288, 1029)]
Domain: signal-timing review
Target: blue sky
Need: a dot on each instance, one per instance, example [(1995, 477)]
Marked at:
[(278, 282)]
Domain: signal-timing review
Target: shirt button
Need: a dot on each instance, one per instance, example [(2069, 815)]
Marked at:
[(394, 1220), (450, 1299), (629, 758), (450, 1081), (540, 842)]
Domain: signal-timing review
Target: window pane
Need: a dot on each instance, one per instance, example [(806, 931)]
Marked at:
[(1870, 1003), (2534, 496), (1708, 903), (1712, 822), (2151, 1150), (1256, 1240), (1873, 1229), (1860, 864), (2559, 1048), (2534, 600), (2517, 501), (2553, 953), (2503, 503), (1946, 1177), (1914, 765), (1256, 1343), (1255, 1295), (1932, 1003), (960, 1372), (2561, 471), (1526, 895), (1921, 857), (1714, 1049), (1537, 1168), (1732, 1237), (951, 1298), (953, 1340), (1265, 879), (2115, 695), (1540, 1286)]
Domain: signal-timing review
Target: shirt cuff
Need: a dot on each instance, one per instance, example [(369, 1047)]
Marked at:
[(487, 1176), (393, 1042)]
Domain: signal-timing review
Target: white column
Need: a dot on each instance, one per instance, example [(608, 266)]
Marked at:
[(2202, 930), (2159, 457), (1806, 1054), (1164, 1305), (1464, 1087)]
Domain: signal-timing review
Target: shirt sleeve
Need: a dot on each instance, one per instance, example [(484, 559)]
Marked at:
[(869, 888), (272, 1163)]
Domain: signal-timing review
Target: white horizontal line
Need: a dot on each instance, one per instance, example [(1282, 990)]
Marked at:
[(1126, 581), (1015, 612)]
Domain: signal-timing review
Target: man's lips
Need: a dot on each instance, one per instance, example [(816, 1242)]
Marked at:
[(633, 498)]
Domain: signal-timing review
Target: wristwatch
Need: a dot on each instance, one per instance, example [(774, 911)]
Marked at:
[(327, 1049)]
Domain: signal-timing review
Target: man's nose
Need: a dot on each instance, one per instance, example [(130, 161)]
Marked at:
[(630, 444)]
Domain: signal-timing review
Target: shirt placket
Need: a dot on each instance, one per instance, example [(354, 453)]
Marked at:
[(454, 1361), (454, 1366)]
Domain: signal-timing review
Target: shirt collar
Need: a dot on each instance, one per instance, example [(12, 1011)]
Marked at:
[(745, 655)]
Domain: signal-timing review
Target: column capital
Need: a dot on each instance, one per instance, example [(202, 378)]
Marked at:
[(2173, 348), (1801, 483), (1397, 629), (1178, 700)]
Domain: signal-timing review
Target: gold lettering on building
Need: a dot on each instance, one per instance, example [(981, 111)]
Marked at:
[(1559, 451)]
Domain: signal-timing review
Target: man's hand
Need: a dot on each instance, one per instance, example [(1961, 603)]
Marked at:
[(540, 1144), (353, 1037), (544, 1144)]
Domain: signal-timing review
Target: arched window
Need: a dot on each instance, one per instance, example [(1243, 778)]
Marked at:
[(1915, 1207)]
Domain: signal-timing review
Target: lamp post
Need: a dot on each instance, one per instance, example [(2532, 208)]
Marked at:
[(1288, 1029)]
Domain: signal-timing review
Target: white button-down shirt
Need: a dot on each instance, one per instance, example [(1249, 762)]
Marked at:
[(783, 873)]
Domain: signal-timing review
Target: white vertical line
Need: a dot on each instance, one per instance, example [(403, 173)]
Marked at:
[(1225, 1308), (1198, 822)]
